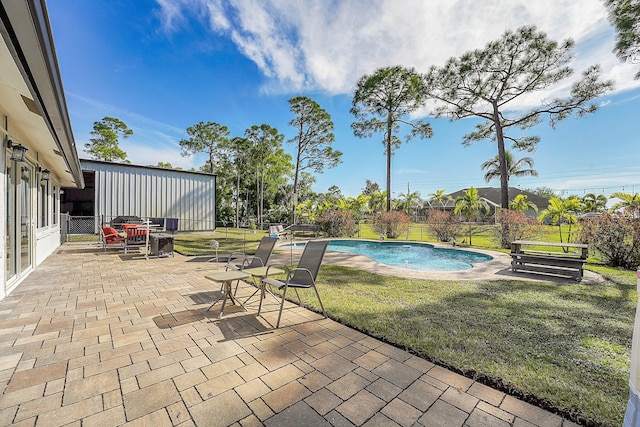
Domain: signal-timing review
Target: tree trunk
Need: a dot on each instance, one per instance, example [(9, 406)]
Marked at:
[(504, 178), (389, 164)]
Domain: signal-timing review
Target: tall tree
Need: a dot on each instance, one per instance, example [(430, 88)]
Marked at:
[(314, 136), (266, 145), (209, 138), (625, 17), (521, 167), (104, 140), (381, 103), (487, 82)]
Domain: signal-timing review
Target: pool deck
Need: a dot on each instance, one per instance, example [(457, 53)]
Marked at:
[(100, 338), (499, 268)]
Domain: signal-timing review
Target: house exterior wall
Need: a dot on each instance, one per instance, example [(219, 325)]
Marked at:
[(149, 192)]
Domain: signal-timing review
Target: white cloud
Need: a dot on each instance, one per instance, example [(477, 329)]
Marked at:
[(321, 45)]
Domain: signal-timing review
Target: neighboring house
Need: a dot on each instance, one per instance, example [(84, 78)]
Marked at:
[(120, 189), (492, 196), (33, 115)]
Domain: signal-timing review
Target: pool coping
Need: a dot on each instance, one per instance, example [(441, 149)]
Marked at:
[(499, 268)]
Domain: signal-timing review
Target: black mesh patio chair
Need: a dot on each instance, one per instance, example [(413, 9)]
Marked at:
[(301, 277), (242, 261)]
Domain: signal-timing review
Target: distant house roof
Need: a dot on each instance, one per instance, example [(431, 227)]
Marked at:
[(492, 196)]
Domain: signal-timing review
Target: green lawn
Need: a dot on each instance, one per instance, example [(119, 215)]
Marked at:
[(564, 347)]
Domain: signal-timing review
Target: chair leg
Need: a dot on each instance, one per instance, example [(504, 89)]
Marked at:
[(320, 301), (284, 295)]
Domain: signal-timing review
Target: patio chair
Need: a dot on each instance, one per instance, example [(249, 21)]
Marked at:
[(111, 238), (301, 277), (241, 261), (136, 239)]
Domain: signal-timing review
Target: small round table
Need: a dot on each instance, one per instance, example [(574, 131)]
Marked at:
[(226, 278)]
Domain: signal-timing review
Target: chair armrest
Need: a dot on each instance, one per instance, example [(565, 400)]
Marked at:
[(293, 270), (234, 256), (248, 260), (281, 266)]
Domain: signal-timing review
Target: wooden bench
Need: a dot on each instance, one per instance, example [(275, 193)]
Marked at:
[(558, 263), (304, 230)]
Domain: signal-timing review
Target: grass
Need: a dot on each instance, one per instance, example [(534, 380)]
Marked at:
[(563, 347)]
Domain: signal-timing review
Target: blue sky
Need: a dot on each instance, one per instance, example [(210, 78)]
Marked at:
[(164, 65)]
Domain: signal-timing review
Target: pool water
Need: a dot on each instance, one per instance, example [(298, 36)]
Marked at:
[(413, 256)]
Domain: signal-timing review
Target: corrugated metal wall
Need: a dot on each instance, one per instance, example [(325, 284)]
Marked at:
[(150, 192)]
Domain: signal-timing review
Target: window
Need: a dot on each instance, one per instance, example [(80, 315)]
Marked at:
[(43, 204), (56, 204)]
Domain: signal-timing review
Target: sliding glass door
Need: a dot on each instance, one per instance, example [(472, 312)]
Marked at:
[(19, 217)]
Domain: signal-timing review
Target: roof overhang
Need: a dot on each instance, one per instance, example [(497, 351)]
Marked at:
[(31, 91)]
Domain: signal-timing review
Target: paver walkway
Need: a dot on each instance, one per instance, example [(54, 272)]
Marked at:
[(95, 338)]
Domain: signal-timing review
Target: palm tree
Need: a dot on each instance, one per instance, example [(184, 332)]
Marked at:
[(521, 204), (358, 206), (409, 200), (470, 205), (377, 200), (630, 203), (559, 212), (522, 167), (593, 203), (440, 197)]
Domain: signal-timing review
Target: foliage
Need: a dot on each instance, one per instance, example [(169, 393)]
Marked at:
[(440, 197), (485, 83), (625, 17), (444, 225), (616, 238), (269, 162), (514, 225), (370, 188), (629, 203), (546, 192), (335, 223), (470, 206), (390, 224), (593, 203), (409, 201), (358, 206), (380, 103), (313, 139), (560, 212), (521, 204), (517, 168), (104, 140), (209, 138)]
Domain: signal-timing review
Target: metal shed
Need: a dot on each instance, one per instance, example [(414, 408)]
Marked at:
[(116, 189)]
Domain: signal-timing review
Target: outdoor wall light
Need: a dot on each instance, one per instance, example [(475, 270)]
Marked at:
[(45, 174), (17, 151)]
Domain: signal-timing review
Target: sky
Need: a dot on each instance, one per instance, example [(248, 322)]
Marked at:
[(164, 65)]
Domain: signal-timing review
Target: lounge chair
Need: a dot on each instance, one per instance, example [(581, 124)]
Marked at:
[(111, 238), (301, 277)]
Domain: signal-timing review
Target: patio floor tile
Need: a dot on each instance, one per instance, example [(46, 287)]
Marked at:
[(97, 338)]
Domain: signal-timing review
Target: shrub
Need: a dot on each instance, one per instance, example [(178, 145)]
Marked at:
[(444, 225), (337, 224), (615, 238), (514, 225), (392, 224)]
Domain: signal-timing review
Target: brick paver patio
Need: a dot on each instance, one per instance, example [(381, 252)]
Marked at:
[(94, 338)]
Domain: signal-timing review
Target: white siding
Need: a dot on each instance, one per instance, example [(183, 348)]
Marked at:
[(154, 193)]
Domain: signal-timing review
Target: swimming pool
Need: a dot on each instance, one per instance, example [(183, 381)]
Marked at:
[(413, 256)]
